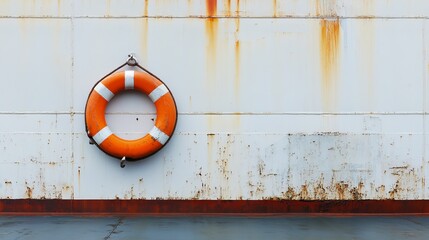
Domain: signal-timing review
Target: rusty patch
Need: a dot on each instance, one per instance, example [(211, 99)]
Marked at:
[(211, 8), (329, 54), (237, 12), (29, 192), (356, 192), (304, 193), (341, 188)]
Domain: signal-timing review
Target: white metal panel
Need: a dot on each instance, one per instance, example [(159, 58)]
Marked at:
[(36, 8), (25, 148), (252, 8), (220, 8), (24, 123), (36, 65), (287, 106), (270, 124), (265, 65), (426, 65)]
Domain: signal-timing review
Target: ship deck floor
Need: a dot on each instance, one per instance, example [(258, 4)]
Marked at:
[(214, 227)]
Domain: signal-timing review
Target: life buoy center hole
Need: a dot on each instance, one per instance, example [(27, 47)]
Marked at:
[(130, 114)]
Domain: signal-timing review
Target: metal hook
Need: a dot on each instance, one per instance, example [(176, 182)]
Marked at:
[(131, 61), (123, 162)]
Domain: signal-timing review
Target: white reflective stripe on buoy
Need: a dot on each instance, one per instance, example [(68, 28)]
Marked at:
[(102, 135), (158, 135), (158, 92), (129, 79), (104, 91)]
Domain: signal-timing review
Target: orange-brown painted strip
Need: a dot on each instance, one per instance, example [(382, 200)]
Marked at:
[(184, 207)]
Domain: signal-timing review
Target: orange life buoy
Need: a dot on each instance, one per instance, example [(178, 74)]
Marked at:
[(108, 142)]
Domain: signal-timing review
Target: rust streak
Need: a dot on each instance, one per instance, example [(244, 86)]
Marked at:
[(146, 8), (325, 8), (237, 65), (211, 6), (237, 12), (275, 14), (144, 37), (211, 26), (237, 57), (59, 7), (329, 54), (228, 8), (108, 8), (317, 8)]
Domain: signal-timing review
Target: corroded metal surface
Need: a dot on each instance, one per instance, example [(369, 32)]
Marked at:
[(315, 100), (274, 207)]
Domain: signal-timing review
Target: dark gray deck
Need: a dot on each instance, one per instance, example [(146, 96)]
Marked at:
[(269, 228)]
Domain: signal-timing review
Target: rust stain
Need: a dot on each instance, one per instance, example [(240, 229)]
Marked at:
[(29, 192), (211, 8), (189, 3), (304, 193), (317, 8), (144, 29), (329, 54), (325, 8), (146, 8), (237, 12), (395, 190), (210, 151), (59, 7), (211, 27), (228, 8), (320, 191), (341, 189), (369, 8), (78, 177), (107, 8), (356, 192), (275, 14), (289, 194), (237, 57)]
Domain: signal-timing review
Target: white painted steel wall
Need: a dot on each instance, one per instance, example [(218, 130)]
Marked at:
[(277, 99)]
